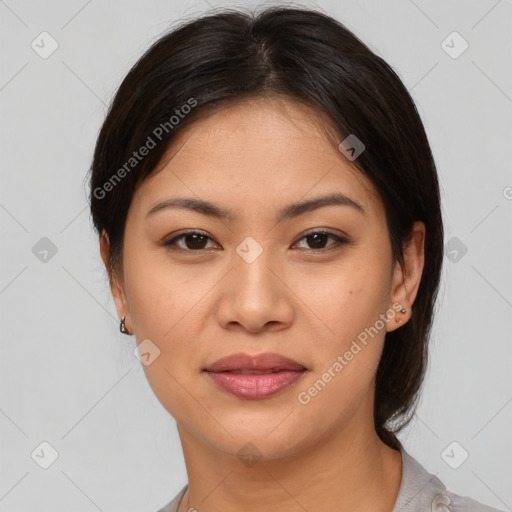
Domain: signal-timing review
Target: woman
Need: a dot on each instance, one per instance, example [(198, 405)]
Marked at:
[(269, 216)]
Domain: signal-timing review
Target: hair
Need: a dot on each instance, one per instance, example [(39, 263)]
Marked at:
[(301, 54)]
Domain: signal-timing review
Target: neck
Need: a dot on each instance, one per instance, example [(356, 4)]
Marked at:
[(351, 471)]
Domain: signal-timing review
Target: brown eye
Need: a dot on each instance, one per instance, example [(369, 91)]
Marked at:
[(192, 241), (318, 239), (195, 241)]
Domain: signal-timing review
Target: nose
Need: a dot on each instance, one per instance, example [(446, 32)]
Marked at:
[(255, 295)]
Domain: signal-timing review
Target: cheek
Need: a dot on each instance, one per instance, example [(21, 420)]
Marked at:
[(350, 303), (346, 299), (169, 306), (164, 297)]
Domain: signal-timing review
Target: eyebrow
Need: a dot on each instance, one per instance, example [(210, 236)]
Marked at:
[(288, 212)]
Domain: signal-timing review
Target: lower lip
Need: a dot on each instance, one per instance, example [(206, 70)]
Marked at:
[(256, 386)]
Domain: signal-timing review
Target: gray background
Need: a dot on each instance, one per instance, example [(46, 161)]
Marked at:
[(69, 377)]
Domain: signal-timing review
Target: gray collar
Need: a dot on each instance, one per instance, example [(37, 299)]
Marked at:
[(419, 491), (418, 488)]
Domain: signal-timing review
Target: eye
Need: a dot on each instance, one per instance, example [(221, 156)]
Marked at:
[(318, 238), (193, 241)]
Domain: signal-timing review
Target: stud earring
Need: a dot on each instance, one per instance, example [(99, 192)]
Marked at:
[(403, 311), (122, 326)]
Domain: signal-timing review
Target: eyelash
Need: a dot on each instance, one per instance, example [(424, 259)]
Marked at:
[(338, 239)]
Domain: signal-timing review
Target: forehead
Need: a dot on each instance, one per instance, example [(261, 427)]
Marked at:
[(266, 129), (256, 154)]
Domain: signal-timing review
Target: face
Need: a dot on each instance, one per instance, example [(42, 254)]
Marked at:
[(315, 284)]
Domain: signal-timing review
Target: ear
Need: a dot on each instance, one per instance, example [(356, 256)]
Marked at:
[(116, 285), (406, 280)]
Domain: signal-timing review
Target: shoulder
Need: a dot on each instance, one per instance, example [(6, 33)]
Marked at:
[(421, 491), (174, 504)]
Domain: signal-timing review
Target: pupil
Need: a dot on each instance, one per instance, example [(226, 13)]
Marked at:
[(195, 241), (317, 241)]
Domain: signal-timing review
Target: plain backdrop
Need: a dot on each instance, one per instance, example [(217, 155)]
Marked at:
[(70, 379)]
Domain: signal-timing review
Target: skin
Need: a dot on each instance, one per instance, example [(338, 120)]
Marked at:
[(254, 158)]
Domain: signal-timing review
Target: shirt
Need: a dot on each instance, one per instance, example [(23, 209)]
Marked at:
[(419, 491)]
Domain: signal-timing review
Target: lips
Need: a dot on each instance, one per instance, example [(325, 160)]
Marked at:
[(267, 362), (255, 377)]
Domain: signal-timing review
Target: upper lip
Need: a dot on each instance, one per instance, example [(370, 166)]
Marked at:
[(265, 361)]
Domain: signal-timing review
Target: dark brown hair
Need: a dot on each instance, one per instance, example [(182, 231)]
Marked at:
[(307, 56)]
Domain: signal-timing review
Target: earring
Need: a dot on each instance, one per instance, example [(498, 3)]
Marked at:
[(403, 311), (122, 326)]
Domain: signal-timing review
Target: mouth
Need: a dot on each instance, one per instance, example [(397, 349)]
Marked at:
[(266, 362), (255, 377), (244, 371)]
